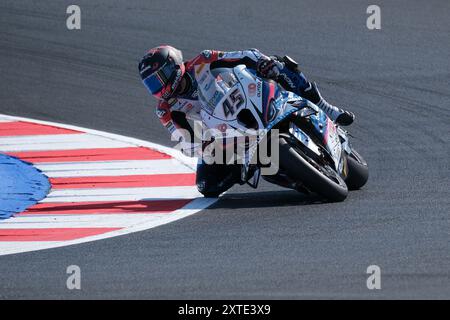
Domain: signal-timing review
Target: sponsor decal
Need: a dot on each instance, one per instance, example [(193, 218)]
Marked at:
[(187, 106), (214, 100), (177, 80), (252, 89), (207, 53), (170, 126), (172, 101), (160, 113), (222, 127), (288, 80), (258, 89)]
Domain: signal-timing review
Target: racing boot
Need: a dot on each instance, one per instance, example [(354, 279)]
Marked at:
[(339, 116)]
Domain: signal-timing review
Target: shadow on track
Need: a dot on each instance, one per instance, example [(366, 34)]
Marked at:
[(265, 199)]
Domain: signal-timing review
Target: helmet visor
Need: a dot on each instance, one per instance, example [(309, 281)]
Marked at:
[(158, 80), (153, 83)]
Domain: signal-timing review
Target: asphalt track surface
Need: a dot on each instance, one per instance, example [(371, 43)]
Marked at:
[(269, 242)]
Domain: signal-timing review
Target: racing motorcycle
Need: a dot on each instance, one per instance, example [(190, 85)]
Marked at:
[(314, 154)]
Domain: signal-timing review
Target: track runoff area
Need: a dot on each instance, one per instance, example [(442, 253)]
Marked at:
[(92, 185)]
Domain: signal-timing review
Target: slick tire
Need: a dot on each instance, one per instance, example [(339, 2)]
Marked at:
[(358, 171), (303, 171)]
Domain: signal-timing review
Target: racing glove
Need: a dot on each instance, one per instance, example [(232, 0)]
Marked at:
[(269, 67)]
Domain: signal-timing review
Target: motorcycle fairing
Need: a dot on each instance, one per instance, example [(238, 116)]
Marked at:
[(268, 105), (326, 129)]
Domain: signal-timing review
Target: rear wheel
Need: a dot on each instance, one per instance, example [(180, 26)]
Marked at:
[(358, 171), (321, 179)]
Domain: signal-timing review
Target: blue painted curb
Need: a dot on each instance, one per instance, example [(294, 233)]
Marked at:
[(21, 186)]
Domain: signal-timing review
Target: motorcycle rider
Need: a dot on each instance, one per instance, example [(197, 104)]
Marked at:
[(173, 82)]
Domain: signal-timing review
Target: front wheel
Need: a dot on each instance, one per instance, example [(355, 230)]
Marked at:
[(323, 180), (358, 171)]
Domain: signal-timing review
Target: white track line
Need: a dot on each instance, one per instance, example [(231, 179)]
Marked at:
[(120, 194), (80, 221), (112, 168), (58, 142)]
